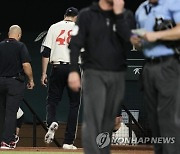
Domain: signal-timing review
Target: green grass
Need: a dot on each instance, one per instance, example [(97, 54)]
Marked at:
[(36, 152)]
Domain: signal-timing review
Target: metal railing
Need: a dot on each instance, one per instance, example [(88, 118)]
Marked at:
[(35, 119)]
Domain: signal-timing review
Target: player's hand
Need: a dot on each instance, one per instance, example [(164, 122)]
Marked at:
[(136, 41), (118, 6), (74, 81), (151, 36), (44, 80), (30, 84)]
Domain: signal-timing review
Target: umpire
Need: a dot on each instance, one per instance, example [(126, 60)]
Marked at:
[(161, 72), (14, 65)]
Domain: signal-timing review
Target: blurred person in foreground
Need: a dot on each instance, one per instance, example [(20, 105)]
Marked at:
[(102, 30)]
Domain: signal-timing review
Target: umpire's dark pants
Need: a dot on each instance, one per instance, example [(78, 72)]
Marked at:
[(57, 83), (161, 80), (11, 95), (103, 93)]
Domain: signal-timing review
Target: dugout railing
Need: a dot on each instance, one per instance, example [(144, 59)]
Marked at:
[(36, 119), (132, 119)]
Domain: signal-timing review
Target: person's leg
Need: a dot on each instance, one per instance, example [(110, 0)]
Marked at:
[(55, 92), (151, 99), (72, 122), (17, 131), (93, 98), (168, 83), (14, 97), (176, 112), (56, 85), (114, 96), (2, 112), (19, 124), (98, 112)]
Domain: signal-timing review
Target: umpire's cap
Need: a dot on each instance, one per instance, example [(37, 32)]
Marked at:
[(71, 11)]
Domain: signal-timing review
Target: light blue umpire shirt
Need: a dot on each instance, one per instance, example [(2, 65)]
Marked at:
[(145, 17)]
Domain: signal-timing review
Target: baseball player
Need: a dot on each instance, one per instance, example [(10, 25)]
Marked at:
[(19, 122), (120, 133), (56, 53)]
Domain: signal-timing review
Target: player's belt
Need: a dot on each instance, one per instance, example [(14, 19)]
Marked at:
[(160, 59), (59, 62)]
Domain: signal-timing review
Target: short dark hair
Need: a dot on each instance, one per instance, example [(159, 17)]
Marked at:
[(71, 11)]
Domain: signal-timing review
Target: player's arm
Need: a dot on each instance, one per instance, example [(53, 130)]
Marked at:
[(166, 35), (28, 71), (170, 34), (47, 44), (45, 60), (77, 42)]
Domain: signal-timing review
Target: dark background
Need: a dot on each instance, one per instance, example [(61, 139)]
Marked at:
[(36, 16), (39, 15)]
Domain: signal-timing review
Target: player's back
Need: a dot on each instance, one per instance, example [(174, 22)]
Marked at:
[(59, 36), (61, 32)]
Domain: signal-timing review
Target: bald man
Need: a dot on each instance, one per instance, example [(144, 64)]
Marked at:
[(14, 67)]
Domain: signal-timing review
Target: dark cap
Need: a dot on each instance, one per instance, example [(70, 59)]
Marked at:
[(71, 11)]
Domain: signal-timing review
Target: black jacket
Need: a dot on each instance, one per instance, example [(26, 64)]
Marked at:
[(103, 35)]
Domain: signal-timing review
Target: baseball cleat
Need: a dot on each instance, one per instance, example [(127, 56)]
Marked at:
[(11, 145), (51, 132), (69, 147)]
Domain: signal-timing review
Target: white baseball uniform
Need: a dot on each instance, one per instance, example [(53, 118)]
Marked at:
[(57, 39)]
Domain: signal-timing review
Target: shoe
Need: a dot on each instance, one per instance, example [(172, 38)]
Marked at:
[(69, 146), (4, 145), (11, 145), (16, 139), (50, 134)]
